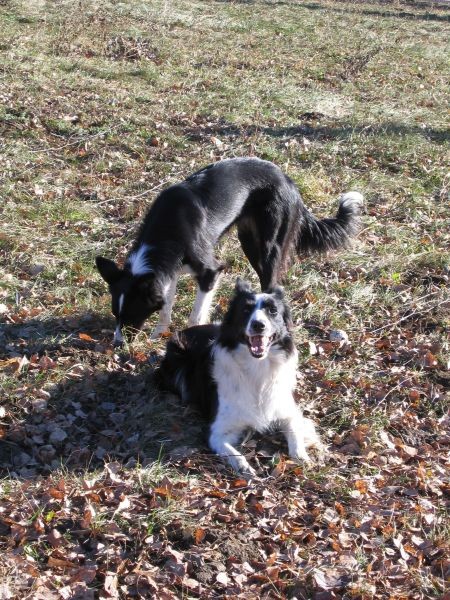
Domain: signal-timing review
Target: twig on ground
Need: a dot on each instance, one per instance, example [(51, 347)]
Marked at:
[(415, 312), (78, 141), (144, 193)]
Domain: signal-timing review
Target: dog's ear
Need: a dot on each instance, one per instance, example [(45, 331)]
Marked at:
[(287, 318), (144, 283), (242, 286), (108, 269), (278, 292), (150, 293)]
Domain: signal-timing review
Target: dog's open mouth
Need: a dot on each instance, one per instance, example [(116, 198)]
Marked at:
[(259, 345)]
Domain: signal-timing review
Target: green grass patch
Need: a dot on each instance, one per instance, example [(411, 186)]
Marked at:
[(102, 105)]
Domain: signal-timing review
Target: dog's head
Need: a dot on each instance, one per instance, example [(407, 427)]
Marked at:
[(134, 296), (260, 321)]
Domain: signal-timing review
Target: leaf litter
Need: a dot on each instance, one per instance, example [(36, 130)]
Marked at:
[(108, 489), (104, 494)]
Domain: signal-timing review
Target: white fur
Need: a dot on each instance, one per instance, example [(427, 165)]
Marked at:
[(254, 393), (260, 315), (138, 261), (202, 306), (166, 312), (121, 299), (118, 337), (351, 198), (200, 311)]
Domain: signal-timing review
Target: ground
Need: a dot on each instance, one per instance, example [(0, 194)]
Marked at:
[(108, 489)]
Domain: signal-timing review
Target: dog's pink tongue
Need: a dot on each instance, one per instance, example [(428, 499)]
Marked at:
[(258, 344)]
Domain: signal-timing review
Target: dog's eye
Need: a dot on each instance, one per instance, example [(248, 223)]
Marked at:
[(273, 310)]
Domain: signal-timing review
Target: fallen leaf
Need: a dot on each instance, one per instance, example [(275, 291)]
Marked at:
[(328, 580), (237, 483), (84, 573), (113, 469), (199, 535), (111, 584), (46, 363), (86, 337), (361, 486), (16, 364), (162, 491), (60, 563), (123, 505), (217, 142), (222, 578), (55, 538)]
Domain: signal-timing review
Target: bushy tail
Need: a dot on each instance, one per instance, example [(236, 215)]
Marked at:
[(321, 235)]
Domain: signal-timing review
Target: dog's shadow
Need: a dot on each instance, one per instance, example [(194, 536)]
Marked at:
[(51, 334), (75, 403)]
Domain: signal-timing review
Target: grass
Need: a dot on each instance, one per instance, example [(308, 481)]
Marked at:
[(102, 105)]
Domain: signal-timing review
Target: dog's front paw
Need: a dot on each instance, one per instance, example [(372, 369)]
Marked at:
[(241, 466), (248, 473), (301, 455), (319, 456), (320, 453)]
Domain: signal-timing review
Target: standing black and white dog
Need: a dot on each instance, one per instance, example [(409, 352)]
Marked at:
[(242, 375), (187, 220)]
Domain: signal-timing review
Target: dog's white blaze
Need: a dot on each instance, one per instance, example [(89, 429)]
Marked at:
[(259, 314), (121, 299), (138, 261), (202, 306)]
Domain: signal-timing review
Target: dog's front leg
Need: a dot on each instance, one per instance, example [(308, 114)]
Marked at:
[(223, 443), (165, 313), (203, 301), (293, 430)]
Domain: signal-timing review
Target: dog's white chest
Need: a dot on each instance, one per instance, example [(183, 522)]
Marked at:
[(254, 393)]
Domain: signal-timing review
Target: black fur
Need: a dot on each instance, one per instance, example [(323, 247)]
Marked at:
[(187, 220), (232, 331), (327, 234), (187, 366)]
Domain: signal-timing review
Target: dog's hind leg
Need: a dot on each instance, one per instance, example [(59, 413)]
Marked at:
[(248, 236), (264, 259), (263, 240)]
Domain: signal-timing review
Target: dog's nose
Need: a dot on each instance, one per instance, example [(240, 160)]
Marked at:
[(258, 326)]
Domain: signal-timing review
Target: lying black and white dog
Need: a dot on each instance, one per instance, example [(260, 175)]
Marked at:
[(187, 220), (242, 375)]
